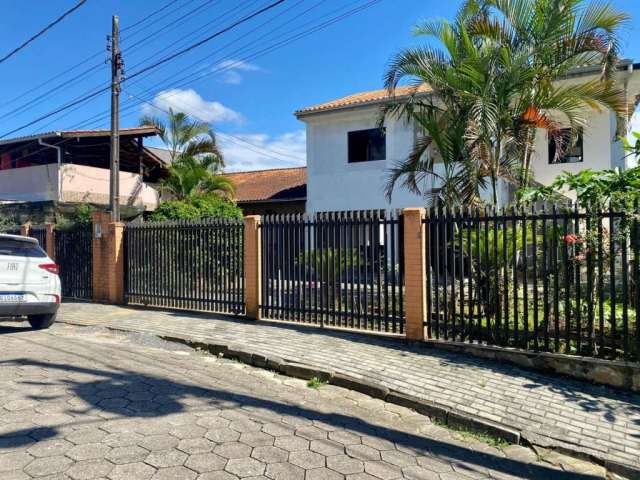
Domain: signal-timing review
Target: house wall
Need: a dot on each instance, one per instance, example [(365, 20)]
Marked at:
[(79, 183), (333, 184)]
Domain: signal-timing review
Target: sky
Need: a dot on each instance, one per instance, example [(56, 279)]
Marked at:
[(246, 82)]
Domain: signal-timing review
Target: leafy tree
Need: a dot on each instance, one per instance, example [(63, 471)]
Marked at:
[(494, 82), (196, 160)]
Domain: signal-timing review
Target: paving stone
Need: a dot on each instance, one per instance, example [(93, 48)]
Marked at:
[(245, 467), (88, 451), (122, 439), (87, 435), (205, 462), (174, 473), (159, 442), (128, 454), (90, 469), (138, 470), (382, 470), (344, 464), (221, 475), (278, 429), (344, 437), (284, 471), (166, 458), (311, 433), (377, 442), (399, 459), (292, 444), (363, 452), (222, 435), (48, 466), (323, 474), (307, 459), (50, 448), (270, 454), (327, 447), (14, 461), (188, 431), (245, 425), (233, 450), (196, 445), (256, 439), (211, 423), (419, 473)]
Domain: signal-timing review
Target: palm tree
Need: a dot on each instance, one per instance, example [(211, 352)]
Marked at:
[(494, 82), (196, 161)]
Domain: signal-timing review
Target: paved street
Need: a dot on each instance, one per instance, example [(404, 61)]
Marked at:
[(84, 402), (547, 409)]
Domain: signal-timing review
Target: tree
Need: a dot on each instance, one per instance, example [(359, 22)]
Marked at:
[(196, 161), (494, 82)]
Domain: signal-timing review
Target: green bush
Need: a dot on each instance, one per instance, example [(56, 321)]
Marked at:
[(196, 208)]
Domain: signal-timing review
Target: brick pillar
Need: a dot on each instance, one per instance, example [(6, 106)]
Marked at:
[(252, 266), (108, 259), (50, 239), (24, 229), (415, 261)]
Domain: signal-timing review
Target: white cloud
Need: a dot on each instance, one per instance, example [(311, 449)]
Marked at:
[(231, 70), (191, 103), (261, 151)]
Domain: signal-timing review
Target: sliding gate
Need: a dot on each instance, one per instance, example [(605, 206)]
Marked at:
[(74, 256)]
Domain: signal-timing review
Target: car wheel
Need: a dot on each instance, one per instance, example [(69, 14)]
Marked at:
[(40, 322)]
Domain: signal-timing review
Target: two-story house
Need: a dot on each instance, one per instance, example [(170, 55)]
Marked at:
[(348, 157)]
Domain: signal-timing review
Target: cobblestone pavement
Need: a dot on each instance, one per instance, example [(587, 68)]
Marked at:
[(82, 403), (550, 409)]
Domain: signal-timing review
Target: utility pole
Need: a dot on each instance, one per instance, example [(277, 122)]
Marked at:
[(116, 73)]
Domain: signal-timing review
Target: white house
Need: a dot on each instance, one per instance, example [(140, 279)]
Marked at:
[(348, 158)]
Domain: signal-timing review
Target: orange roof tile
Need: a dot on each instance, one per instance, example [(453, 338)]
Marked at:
[(276, 184), (363, 98)]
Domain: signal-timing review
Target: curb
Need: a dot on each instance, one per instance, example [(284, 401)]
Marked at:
[(445, 415)]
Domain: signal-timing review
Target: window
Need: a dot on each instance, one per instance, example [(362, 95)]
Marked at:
[(367, 145), (20, 248), (571, 146)]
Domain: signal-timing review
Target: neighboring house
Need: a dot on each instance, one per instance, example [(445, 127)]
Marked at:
[(44, 174), (348, 157), (266, 192)]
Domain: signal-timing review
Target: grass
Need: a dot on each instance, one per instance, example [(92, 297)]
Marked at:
[(467, 435), (315, 383)]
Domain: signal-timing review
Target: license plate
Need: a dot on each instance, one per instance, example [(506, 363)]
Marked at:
[(12, 298)]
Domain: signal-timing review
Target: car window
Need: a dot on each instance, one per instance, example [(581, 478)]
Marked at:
[(16, 248)]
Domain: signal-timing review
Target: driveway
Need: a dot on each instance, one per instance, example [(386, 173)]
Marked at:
[(84, 402)]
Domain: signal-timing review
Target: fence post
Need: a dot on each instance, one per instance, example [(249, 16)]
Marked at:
[(415, 253), (108, 259), (51, 250), (252, 266), (24, 229)]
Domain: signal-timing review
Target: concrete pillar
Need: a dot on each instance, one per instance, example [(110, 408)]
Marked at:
[(24, 229), (108, 259), (252, 266), (415, 279), (50, 239)]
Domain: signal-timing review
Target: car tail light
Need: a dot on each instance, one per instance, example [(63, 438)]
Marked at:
[(50, 267), (57, 297)]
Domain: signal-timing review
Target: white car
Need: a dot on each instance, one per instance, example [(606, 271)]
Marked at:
[(29, 282)]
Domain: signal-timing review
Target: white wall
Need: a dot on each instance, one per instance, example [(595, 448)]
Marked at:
[(31, 184), (335, 184), (601, 150)]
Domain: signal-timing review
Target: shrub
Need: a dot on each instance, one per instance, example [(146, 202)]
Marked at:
[(196, 208)]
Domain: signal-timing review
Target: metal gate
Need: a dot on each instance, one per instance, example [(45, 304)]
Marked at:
[(40, 234), (340, 269), (74, 256), (186, 265)]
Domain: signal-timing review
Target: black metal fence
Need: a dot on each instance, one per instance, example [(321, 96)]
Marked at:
[(559, 280), (40, 234), (335, 269), (74, 256), (187, 266)]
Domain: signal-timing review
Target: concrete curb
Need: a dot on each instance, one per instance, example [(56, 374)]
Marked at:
[(445, 415)]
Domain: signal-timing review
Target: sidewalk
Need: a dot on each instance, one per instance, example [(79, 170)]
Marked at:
[(547, 410)]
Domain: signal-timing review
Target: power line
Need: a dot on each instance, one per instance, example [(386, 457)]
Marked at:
[(41, 32), (152, 14), (155, 65)]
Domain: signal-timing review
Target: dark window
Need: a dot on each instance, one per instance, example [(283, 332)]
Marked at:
[(571, 149), (367, 145), (18, 248)]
